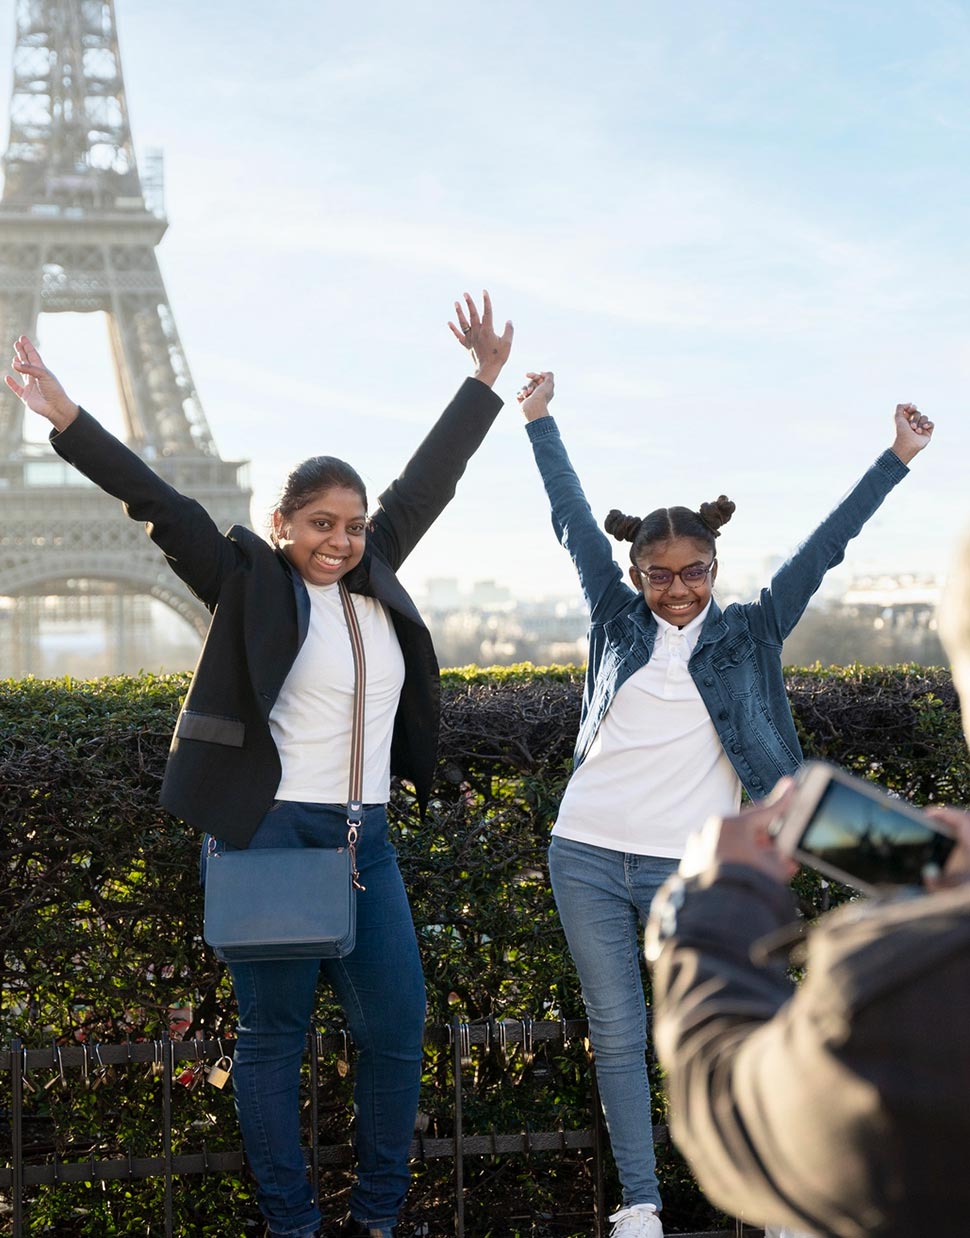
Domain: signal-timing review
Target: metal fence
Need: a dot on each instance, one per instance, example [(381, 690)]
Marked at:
[(173, 1061)]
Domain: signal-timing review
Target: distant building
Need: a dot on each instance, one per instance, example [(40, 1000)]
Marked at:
[(878, 619), (442, 593), (490, 627), (905, 593), (487, 594)]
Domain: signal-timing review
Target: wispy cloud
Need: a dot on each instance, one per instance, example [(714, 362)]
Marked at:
[(749, 267)]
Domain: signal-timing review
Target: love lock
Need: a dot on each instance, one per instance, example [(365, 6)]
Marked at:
[(218, 1074), (187, 1077)]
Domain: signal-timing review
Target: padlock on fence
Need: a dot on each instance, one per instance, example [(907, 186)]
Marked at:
[(218, 1073)]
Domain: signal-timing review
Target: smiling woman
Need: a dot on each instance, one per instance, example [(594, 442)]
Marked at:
[(324, 540), (320, 521), (261, 753)]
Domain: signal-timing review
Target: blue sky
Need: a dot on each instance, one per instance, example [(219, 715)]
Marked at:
[(738, 232)]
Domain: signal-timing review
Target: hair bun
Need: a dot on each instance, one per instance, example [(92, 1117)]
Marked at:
[(623, 528), (717, 513)]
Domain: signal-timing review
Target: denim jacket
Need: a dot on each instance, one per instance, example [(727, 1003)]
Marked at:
[(736, 663)]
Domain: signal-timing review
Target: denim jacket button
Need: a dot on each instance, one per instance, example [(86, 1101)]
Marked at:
[(723, 715), (735, 747), (708, 683)]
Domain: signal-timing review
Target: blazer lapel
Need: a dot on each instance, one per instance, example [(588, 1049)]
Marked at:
[(386, 587), (277, 621), (302, 607)]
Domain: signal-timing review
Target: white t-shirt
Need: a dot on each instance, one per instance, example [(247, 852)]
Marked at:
[(656, 769), (311, 720)]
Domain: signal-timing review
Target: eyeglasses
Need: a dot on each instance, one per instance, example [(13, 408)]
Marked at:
[(663, 577)]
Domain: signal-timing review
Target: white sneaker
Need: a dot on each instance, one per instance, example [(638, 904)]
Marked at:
[(638, 1221)]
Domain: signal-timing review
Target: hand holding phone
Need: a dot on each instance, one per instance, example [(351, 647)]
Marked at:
[(744, 839), (854, 832), (957, 822)]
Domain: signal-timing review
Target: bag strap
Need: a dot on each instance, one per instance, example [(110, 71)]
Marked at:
[(355, 806)]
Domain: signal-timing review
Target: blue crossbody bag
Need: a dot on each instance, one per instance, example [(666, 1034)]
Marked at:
[(292, 903)]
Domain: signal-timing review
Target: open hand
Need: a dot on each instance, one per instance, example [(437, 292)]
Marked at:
[(913, 431), (489, 350), (39, 390), (534, 397)]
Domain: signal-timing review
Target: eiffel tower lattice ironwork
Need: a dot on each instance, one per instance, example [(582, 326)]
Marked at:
[(78, 234)]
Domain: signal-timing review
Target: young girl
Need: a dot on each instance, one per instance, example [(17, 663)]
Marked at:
[(684, 704), (261, 752)]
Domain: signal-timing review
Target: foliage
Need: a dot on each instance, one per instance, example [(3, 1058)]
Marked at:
[(101, 916)]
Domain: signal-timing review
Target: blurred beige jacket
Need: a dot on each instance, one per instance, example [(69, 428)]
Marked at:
[(842, 1107)]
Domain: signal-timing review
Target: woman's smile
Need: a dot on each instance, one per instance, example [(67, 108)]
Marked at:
[(326, 537)]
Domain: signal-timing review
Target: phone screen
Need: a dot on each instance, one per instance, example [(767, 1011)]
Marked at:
[(871, 840)]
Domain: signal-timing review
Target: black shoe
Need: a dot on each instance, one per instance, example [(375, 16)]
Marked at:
[(352, 1228)]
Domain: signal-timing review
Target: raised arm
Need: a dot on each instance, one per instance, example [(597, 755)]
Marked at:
[(195, 549), (39, 389), (574, 524), (783, 602), (412, 503)]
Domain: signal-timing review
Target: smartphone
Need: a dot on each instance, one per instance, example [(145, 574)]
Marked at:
[(855, 832)]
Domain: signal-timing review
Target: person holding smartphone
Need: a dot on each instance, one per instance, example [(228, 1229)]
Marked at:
[(684, 704), (261, 753), (838, 1106)]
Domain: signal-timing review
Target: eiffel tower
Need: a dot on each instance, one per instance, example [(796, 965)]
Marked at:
[(78, 234)]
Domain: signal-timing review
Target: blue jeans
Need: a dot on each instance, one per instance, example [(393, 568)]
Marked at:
[(380, 987), (603, 898)]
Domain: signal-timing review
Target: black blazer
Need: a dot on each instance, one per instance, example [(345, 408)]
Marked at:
[(223, 768)]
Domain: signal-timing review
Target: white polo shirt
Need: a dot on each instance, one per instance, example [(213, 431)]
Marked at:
[(656, 769)]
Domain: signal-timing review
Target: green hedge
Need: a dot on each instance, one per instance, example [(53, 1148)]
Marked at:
[(101, 912)]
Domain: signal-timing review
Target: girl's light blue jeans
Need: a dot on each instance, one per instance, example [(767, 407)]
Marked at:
[(604, 898), (380, 987)]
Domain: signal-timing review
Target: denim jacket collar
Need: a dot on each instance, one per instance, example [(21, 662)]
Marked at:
[(715, 626)]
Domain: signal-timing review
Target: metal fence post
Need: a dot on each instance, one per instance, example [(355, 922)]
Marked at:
[(599, 1140), (456, 1041), (168, 1069), (17, 1134), (314, 1043)]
